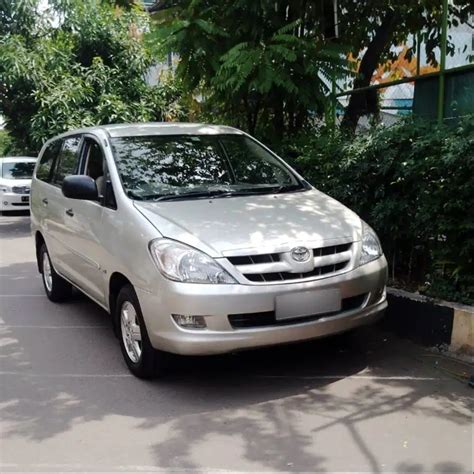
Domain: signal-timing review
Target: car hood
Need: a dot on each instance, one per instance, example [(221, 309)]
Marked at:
[(15, 182), (254, 224)]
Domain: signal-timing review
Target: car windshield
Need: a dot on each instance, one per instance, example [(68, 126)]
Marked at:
[(18, 169), (197, 166)]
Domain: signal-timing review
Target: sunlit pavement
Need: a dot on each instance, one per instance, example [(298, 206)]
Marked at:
[(367, 402)]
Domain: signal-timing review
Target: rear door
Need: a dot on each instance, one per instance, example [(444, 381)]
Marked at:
[(85, 232), (41, 188)]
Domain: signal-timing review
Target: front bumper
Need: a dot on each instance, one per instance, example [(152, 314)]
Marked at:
[(216, 302), (14, 202)]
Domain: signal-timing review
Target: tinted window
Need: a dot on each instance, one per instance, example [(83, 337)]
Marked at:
[(18, 170), (251, 164), (95, 160), (68, 159), (156, 166), (95, 164), (44, 168)]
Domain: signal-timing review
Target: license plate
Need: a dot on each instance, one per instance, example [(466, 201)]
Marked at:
[(25, 198), (307, 303)]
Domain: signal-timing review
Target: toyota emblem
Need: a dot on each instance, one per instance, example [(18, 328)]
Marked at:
[(300, 254)]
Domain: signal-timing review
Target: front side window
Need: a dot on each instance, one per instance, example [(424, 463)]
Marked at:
[(18, 169), (94, 166), (161, 167), (68, 158), (47, 159)]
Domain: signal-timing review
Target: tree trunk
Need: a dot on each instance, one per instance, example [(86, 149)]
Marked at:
[(358, 102)]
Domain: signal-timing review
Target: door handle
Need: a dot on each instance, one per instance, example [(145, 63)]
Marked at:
[(45, 201), (69, 212)]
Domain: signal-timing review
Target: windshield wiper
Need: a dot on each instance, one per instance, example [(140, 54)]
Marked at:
[(196, 195), (218, 193), (289, 188)]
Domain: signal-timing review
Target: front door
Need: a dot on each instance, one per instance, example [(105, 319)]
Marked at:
[(86, 233)]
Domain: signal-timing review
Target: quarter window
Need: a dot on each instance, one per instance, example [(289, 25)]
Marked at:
[(44, 168), (68, 159)]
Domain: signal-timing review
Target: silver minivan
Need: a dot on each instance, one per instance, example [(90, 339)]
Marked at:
[(198, 240)]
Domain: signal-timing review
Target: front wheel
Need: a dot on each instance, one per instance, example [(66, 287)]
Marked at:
[(141, 358), (57, 289)]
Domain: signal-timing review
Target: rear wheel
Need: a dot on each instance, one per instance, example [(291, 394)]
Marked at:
[(57, 289), (141, 358)]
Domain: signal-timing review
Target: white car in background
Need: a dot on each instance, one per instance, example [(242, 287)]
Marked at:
[(15, 182)]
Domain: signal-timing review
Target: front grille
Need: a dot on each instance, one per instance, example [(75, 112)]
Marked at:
[(253, 259), (267, 318), (282, 276), (21, 190), (276, 267)]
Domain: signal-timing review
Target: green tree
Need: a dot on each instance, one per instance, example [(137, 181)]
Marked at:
[(269, 61), (374, 27), (18, 17), (78, 63), (5, 143), (259, 64)]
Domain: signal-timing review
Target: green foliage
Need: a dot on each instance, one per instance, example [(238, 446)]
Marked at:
[(5, 143), (83, 63), (18, 17), (257, 65), (267, 65), (414, 183), (360, 19)]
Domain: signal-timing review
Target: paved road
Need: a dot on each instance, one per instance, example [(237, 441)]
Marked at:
[(67, 403)]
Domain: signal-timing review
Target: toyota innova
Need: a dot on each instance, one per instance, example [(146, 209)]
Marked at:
[(198, 240)]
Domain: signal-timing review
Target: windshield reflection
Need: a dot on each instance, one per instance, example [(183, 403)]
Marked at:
[(18, 170), (198, 166)]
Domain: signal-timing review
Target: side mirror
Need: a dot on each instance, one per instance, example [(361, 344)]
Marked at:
[(80, 187)]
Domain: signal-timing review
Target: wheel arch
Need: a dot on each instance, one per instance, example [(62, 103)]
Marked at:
[(39, 241), (116, 282)]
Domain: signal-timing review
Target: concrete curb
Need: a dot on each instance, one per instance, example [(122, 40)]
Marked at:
[(431, 322)]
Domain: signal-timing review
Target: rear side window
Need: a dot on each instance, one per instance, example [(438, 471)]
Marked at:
[(68, 159), (45, 165)]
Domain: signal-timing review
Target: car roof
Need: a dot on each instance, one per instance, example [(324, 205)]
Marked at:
[(17, 159), (157, 128)]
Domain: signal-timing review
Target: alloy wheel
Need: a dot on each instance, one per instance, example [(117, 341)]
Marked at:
[(131, 332)]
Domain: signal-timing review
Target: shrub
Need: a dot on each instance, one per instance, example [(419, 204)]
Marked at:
[(412, 182)]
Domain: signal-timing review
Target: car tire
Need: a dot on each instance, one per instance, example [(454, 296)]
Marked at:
[(142, 359), (57, 288)]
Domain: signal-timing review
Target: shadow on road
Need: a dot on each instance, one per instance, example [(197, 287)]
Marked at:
[(14, 224), (255, 401)]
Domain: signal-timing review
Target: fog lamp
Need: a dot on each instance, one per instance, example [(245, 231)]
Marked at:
[(188, 321)]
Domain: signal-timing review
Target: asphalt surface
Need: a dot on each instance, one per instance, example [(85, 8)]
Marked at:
[(367, 402)]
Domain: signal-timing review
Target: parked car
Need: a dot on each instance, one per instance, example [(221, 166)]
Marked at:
[(15, 182), (199, 240)]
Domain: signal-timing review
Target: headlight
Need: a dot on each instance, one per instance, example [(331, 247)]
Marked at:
[(371, 248), (5, 189), (180, 262)]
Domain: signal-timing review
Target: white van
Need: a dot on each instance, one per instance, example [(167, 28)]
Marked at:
[(199, 240)]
